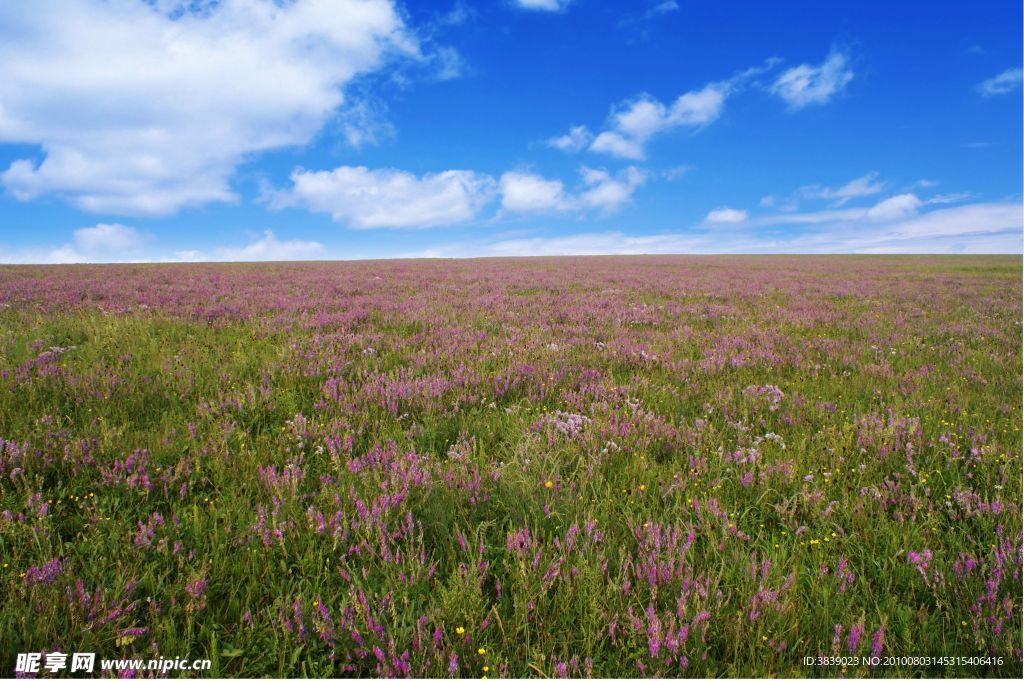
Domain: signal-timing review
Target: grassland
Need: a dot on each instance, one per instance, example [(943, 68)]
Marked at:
[(546, 467)]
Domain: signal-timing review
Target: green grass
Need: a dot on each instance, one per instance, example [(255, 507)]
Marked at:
[(150, 379)]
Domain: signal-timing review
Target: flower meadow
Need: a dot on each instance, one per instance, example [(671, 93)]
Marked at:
[(547, 467)]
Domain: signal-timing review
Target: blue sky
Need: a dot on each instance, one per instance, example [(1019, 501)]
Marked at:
[(253, 129)]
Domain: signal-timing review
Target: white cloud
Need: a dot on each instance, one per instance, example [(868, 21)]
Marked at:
[(608, 193), (459, 14), (673, 174), (664, 7), (143, 108), (1007, 81), (700, 107), (899, 224), (361, 198), (615, 144), (448, 63), (726, 216), (578, 137), (267, 248), (542, 5), (62, 255), (900, 206), (865, 185), (364, 122), (811, 218), (634, 122), (590, 243), (112, 238), (641, 21), (67, 255), (974, 228), (957, 197), (120, 244), (641, 118), (977, 228), (804, 85), (784, 204), (529, 193), (100, 243), (895, 208)]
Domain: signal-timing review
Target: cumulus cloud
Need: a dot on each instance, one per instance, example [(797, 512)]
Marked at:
[(805, 85), (109, 238), (895, 208), (578, 137), (542, 5), (523, 192), (616, 144), (364, 198), (726, 216), (529, 193), (361, 198), (100, 243), (146, 107), (269, 247), (608, 193), (634, 122), (1007, 81)]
